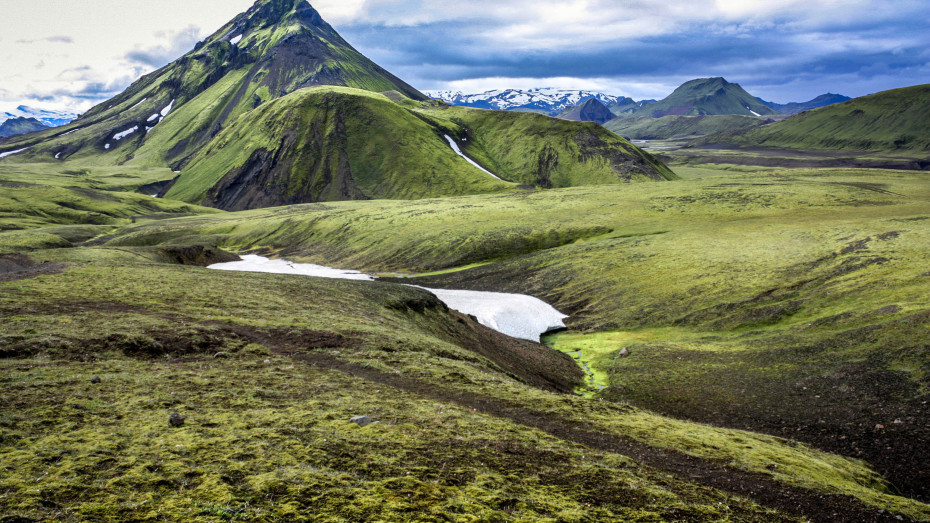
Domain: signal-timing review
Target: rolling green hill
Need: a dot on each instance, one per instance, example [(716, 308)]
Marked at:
[(325, 144), (894, 120), (707, 96), (677, 127)]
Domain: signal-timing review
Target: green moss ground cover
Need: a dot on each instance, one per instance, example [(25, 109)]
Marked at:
[(267, 435), (723, 324), (796, 298)]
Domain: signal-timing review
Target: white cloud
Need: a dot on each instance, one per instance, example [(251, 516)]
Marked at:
[(82, 45), (56, 47)]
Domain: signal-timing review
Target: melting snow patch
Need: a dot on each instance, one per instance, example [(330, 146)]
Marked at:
[(515, 315), (236, 40), (147, 129), (11, 153), (138, 104), (127, 132), (153, 117), (458, 151), (69, 132), (753, 112), (253, 263), (107, 146), (57, 155), (167, 109)]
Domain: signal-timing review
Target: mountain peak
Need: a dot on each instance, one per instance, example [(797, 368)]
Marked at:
[(276, 11), (708, 96), (274, 48)]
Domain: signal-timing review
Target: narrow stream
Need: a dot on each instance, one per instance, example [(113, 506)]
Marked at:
[(516, 315), (576, 355)]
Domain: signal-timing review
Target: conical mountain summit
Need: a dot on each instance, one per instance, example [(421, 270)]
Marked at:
[(707, 96), (271, 50)]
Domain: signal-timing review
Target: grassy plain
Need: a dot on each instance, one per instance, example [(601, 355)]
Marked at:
[(732, 292), (257, 364), (778, 280)]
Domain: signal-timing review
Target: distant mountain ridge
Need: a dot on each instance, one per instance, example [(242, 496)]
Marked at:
[(542, 100), (49, 118), (17, 126), (699, 97), (799, 107)]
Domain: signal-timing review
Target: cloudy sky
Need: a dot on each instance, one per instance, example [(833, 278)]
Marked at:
[(71, 54)]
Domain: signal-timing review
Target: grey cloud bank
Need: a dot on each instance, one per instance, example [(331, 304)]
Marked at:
[(781, 50)]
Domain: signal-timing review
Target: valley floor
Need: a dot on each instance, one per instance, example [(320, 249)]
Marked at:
[(773, 326)]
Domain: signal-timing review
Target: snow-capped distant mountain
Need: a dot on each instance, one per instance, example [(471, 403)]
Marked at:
[(50, 118), (543, 100)]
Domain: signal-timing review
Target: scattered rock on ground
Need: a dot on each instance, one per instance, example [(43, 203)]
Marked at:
[(361, 421), (95, 379), (176, 420), (221, 355), (624, 352)]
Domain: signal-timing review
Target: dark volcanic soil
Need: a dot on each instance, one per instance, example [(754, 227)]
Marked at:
[(21, 267)]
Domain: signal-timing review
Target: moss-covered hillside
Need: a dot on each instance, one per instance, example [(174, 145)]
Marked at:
[(330, 144), (680, 127), (889, 121), (748, 295)]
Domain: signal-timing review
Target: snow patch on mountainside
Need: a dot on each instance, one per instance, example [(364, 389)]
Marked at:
[(11, 153), (164, 112), (236, 40), (458, 151), (127, 132)]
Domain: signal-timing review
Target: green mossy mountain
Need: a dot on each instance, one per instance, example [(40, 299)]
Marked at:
[(271, 50), (327, 144), (894, 120), (276, 108), (705, 96), (18, 126), (334, 143)]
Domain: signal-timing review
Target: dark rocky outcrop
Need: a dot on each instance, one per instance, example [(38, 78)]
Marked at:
[(591, 110)]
